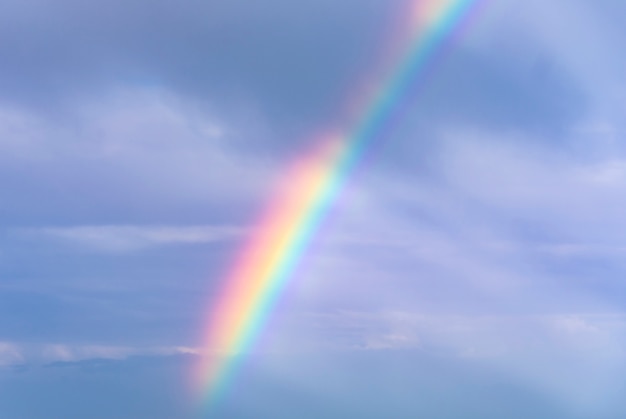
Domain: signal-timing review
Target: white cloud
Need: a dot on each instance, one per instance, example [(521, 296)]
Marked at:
[(543, 184), (599, 337), (73, 353), (144, 142), (10, 354), (127, 238)]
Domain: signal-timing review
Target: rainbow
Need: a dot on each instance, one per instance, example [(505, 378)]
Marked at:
[(270, 257)]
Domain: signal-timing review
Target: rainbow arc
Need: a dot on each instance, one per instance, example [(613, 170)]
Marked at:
[(270, 258)]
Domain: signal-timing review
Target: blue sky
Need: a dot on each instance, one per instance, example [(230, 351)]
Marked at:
[(473, 267)]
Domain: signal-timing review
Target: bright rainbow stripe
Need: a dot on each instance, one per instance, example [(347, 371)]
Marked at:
[(270, 258)]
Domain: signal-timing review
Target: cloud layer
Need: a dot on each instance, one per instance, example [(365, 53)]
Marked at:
[(482, 241)]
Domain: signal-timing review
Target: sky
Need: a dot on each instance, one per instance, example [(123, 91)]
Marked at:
[(472, 266)]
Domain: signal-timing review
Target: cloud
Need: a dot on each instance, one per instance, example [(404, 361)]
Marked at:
[(128, 238), (368, 385), (543, 186), (10, 354), (598, 338), (55, 353), (487, 228), (43, 354), (264, 67), (221, 50), (137, 151)]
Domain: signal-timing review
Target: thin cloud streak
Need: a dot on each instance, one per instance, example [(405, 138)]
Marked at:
[(128, 238)]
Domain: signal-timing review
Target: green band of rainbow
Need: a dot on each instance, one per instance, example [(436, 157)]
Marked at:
[(271, 256)]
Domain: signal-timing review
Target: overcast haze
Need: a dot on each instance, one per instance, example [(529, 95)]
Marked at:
[(473, 267)]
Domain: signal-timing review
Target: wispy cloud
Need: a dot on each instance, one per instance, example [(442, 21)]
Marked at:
[(10, 354), (489, 337), (15, 353), (489, 228), (127, 238)]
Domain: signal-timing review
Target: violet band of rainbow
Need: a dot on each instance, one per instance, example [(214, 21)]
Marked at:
[(270, 257)]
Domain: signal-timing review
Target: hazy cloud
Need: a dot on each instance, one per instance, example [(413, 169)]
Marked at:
[(125, 238)]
